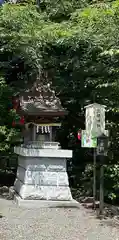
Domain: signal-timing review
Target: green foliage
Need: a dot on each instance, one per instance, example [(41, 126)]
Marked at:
[(112, 182), (60, 10), (8, 135), (75, 45)]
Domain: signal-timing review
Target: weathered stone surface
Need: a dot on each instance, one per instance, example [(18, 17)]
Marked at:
[(38, 164), (42, 192), (42, 174), (42, 177), (50, 153)]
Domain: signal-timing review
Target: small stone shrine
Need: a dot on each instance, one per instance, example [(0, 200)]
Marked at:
[(41, 173)]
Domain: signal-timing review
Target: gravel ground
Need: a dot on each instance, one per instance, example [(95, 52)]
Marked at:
[(19, 223)]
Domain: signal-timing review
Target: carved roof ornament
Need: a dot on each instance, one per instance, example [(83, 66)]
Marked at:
[(40, 98)]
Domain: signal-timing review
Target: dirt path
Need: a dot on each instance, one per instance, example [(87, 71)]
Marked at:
[(52, 224)]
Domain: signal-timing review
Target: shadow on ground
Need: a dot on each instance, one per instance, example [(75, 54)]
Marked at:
[(110, 214), (67, 207)]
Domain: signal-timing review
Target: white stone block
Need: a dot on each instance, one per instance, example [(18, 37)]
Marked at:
[(52, 153), (42, 164), (42, 192), (42, 174), (42, 178)]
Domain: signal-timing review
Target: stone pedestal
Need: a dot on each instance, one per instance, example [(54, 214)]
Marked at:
[(42, 175)]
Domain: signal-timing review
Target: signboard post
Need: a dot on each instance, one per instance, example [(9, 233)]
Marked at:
[(94, 178), (91, 142), (102, 151), (95, 128)]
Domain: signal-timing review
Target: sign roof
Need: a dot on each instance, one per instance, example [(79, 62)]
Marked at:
[(95, 105)]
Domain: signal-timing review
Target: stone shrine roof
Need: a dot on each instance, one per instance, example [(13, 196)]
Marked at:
[(41, 100)]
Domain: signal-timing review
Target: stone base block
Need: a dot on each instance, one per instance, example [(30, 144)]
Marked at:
[(42, 178), (42, 203), (42, 174), (42, 192)]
